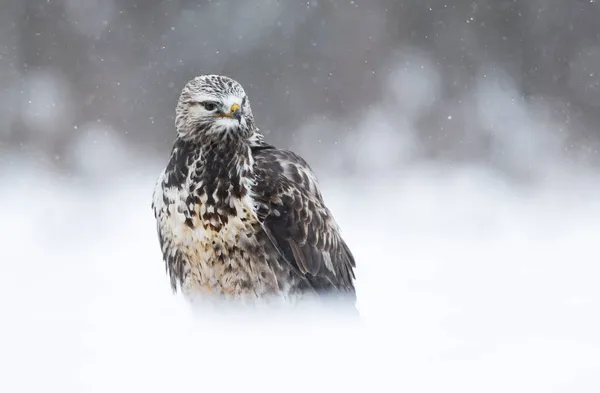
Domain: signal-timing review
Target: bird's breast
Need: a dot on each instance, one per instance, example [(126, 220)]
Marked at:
[(209, 227), (219, 240)]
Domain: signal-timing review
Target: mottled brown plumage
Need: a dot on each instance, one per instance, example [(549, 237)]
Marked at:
[(237, 217)]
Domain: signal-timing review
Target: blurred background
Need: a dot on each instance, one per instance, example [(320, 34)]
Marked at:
[(456, 144), (449, 81)]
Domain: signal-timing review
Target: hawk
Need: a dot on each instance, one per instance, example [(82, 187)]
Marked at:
[(238, 218)]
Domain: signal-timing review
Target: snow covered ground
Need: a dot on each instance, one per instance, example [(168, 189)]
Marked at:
[(465, 284)]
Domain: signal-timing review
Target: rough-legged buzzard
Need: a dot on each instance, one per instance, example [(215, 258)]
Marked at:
[(237, 217)]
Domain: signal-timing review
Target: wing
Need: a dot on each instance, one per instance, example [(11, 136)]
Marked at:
[(296, 220)]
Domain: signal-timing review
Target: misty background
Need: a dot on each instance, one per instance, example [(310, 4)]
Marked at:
[(456, 144), (456, 82)]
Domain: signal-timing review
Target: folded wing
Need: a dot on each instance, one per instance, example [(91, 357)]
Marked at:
[(296, 220)]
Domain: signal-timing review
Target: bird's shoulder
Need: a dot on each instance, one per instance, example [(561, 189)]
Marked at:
[(172, 177), (274, 167)]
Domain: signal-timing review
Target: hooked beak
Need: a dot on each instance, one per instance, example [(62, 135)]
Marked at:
[(234, 113)]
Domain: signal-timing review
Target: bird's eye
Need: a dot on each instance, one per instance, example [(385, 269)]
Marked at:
[(209, 106)]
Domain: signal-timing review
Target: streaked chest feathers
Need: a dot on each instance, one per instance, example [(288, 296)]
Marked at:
[(209, 219)]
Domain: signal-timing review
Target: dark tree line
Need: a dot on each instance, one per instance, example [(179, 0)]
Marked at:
[(123, 62)]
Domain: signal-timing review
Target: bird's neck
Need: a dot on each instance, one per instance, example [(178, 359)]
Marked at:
[(221, 164)]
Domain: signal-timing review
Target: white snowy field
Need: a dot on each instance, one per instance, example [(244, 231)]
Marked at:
[(465, 284)]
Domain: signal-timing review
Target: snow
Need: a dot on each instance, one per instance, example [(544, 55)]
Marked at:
[(465, 283)]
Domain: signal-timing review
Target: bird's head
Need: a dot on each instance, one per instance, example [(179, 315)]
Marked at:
[(211, 104)]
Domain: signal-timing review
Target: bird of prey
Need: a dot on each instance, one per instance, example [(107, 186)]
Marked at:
[(239, 218)]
